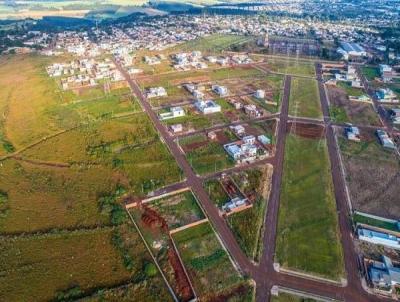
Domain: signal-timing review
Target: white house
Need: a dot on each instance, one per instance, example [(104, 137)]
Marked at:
[(207, 107), (220, 90), (259, 94), (156, 92), (173, 113)]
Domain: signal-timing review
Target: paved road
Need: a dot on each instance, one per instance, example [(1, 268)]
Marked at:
[(264, 274)]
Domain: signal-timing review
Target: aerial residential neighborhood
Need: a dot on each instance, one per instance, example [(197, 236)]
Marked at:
[(204, 151)]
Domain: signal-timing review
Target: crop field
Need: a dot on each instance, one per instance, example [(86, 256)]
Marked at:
[(214, 43), (307, 214), (247, 225), (207, 263), (371, 174), (206, 156), (71, 265), (178, 210), (291, 66), (343, 110), (304, 98)]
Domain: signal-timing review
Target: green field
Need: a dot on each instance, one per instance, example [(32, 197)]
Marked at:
[(207, 263), (304, 98), (291, 66), (72, 265), (307, 214), (209, 158), (370, 72)]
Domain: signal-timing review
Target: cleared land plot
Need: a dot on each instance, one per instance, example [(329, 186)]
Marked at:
[(178, 210), (247, 225), (304, 98), (290, 66), (207, 263), (372, 175), (307, 214), (204, 155), (343, 110), (155, 227), (72, 265)]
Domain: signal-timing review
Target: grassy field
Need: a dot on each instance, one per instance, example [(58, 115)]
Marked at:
[(307, 214), (48, 267), (370, 72), (214, 43), (209, 158), (216, 192), (206, 261), (304, 98), (291, 66)]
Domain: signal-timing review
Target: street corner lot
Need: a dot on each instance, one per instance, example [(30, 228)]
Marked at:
[(158, 220), (246, 221), (304, 100), (307, 213), (210, 269), (344, 110), (372, 174)]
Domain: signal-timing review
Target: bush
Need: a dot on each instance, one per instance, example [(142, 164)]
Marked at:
[(69, 294), (150, 269)]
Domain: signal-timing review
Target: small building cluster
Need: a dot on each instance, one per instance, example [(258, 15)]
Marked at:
[(386, 95), (84, 72), (383, 275), (156, 92), (245, 150)]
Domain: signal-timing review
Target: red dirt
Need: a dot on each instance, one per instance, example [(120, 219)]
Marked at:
[(183, 287), (193, 146), (307, 130), (153, 220)]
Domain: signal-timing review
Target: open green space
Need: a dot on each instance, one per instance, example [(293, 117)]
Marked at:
[(207, 263), (307, 213), (214, 43), (197, 121), (304, 98), (216, 192), (370, 72), (291, 66), (67, 265), (209, 158), (178, 210)]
